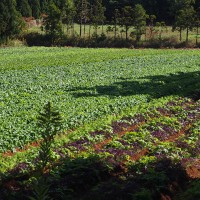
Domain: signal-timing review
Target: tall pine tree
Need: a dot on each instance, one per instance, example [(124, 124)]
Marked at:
[(185, 17), (127, 19), (35, 7), (140, 18), (24, 8), (68, 14), (11, 21), (97, 16), (53, 21)]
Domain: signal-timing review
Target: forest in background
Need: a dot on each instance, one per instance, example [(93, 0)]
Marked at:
[(55, 15)]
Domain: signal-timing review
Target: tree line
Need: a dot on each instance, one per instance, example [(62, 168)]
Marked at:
[(180, 14)]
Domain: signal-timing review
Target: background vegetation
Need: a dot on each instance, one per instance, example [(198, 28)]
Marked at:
[(100, 23)]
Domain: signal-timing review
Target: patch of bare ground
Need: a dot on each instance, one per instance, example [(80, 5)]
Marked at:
[(193, 168)]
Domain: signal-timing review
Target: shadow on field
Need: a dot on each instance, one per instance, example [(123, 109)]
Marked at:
[(93, 178), (182, 84)]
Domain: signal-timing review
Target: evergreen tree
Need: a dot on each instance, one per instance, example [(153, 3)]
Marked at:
[(151, 25), (49, 124), (184, 16), (35, 7), (85, 13), (127, 19), (82, 13), (24, 8), (11, 21), (68, 14), (44, 5), (178, 25), (140, 17), (185, 19), (197, 23), (97, 14), (189, 20), (116, 20), (53, 23), (161, 27)]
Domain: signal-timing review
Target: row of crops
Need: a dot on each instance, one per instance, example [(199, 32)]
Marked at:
[(85, 84), (152, 153), (171, 131)]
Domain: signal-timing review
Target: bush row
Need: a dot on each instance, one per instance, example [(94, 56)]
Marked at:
[(37, 39)]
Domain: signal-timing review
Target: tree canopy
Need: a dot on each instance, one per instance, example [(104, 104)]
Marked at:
[(11, 22), (182, 14)]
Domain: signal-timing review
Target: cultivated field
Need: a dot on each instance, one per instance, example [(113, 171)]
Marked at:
[(138, 111), (85, 84)]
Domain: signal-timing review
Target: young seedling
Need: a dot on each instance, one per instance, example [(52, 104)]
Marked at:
[(49, 124)]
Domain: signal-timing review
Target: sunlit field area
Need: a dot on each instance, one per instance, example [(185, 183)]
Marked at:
[(85, 84), (128, 116)]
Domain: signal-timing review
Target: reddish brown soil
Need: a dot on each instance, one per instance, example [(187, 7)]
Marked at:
[(193, 169), (120, 134), (181, 132), (140, 154), (165, 197), (27, 147)]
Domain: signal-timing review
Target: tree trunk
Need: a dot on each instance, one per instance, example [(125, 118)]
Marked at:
[(160, 36), (151, 32), (138, 34), (67, 29), (187, 34), (197, 35), (81, 18), (126, 32), (84, 28), (145, 36), (63, 28), (89, 30), (80, 28), (115, 30), (138, 37), (180, 34), (96, 29), (73, 27)]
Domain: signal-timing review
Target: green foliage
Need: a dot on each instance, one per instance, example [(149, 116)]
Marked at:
[(161, 27), (35, 7), (144, 194), (53, 23), (49, 124), (185, 17), (83, 12), (40, 190), (63, 16), (68, 14), (127, 18), (11, 22), (91, 170), (24, 8), (192, 193), (44, 6), (85, 84), (97, 14), (140, 18)]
